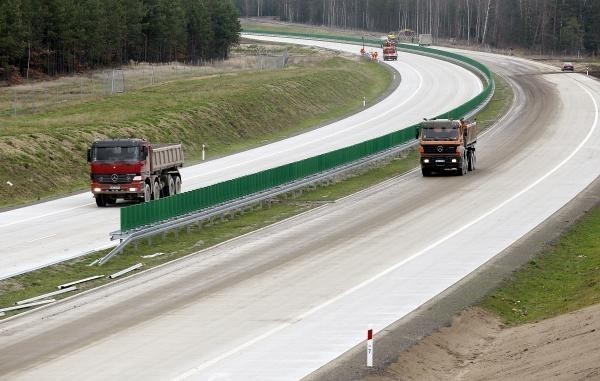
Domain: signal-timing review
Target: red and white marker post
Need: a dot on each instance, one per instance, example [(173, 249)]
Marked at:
[(369, 347)]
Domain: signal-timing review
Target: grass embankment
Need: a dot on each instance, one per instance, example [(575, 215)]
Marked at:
[(44, 154), (45, 280), (563, 278), (266, 26)]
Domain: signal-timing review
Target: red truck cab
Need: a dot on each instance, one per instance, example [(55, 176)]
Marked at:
[(390, 52), (133, 169)]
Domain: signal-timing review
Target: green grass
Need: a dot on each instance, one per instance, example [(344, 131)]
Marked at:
[(503, 97), (564, 278), (45, 152)]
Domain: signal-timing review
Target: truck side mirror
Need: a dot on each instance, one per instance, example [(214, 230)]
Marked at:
[(144, 152), (417, 132), (89, 155)]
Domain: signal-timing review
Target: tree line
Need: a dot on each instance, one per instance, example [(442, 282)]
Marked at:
[(543, 26), (65, 36)]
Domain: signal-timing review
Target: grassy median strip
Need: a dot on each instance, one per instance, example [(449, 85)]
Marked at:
[(47, 279), (563, 278)]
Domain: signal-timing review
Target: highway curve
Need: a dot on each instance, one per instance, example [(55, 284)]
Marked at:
[(50, 232), (282, 302)]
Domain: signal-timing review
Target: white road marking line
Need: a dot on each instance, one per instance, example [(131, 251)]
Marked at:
[(41, 238), (45, 215), (306, 314)]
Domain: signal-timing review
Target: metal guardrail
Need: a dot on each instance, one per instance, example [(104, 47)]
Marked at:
[(344, 160), (243, 203)]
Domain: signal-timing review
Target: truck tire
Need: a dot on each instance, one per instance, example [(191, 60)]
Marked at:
[(147, 193), (464, 167), (100, 200), (170, 188), (156, 191), (177, 184), (426, 172), (471, 165)]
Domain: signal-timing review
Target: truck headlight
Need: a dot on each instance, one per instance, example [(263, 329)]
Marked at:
[(454, 160), (137, 178), (132, 189), (426, 161), (97, 189)]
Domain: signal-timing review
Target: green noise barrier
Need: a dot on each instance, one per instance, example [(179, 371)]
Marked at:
[(136, 216)]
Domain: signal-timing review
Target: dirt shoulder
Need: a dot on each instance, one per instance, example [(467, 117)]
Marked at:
[(477, 346)]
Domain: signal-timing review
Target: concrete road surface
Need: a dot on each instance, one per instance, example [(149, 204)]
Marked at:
[(50, 232), (280, 303)]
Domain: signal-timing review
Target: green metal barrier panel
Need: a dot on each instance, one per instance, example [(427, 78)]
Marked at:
[(136, 216)]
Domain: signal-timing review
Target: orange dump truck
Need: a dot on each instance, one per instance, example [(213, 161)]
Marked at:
[(447, 145)]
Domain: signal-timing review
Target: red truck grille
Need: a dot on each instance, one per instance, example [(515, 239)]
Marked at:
[(112, 178)]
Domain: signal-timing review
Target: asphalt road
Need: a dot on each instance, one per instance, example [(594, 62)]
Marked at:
[(50, 232), (282, 302)]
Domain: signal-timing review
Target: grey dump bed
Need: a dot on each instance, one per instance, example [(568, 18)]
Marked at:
[(165, 156)]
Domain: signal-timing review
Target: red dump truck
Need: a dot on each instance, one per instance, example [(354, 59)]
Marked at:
[(447, 145), (133, 169), (389, 49)]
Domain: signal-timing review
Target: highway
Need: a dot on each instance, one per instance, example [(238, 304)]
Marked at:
[(282, 302), (50, 232)]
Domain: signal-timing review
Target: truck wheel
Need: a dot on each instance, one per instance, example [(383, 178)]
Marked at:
[(177, 180), (426, 172), (111, 200), (464, 167), (147, 193), (100, 200), (473, 160), (171, 186), (470, 161), (156, 191)]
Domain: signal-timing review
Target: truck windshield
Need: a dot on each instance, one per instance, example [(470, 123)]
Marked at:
[(131, 153), (440, 133)]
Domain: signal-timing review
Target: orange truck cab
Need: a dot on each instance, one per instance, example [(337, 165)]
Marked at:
[(447, 145)]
